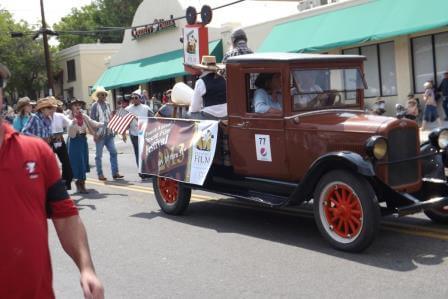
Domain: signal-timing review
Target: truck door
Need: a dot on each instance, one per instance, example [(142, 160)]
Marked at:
[(257, 127)]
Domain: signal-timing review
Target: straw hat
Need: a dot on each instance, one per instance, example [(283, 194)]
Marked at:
[(208, 63), (22, 103), (45, 103), (76, 101), (99, 89)]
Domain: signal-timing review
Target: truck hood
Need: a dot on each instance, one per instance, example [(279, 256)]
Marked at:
[(345, 120)]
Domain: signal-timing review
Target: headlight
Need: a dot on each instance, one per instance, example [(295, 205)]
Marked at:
[(439, 138), (376, 147)]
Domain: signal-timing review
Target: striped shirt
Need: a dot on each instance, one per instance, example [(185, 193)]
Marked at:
[(38, 125)]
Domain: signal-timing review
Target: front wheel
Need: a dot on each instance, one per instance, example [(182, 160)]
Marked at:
[(172, 196), (346, 210)]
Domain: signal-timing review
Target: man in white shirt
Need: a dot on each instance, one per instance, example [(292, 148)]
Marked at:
[(139, 110), (59, 123), (209, 96)]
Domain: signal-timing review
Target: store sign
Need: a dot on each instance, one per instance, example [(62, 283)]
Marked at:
[(157, 26), (195, 39), (191, 46)]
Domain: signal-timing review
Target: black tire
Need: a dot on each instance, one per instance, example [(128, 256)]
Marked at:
[(191, 15), (346, 210), (173, 203), (437, 215)]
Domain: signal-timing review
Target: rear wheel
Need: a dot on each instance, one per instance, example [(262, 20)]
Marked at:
[(172, 196), (346, 211), (439, 215)]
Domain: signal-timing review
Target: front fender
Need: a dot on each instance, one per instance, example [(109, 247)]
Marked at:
[(433, 166), (335, 160)]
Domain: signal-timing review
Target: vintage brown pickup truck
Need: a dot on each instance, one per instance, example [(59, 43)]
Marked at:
[(321, 146)]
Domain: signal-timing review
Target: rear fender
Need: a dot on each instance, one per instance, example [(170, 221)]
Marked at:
[(335, 160)]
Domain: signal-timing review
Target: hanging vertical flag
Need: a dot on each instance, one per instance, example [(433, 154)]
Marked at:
[(121, 121)]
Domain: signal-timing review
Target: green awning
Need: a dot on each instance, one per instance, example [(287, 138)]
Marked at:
[(372, 21), (159, 67)]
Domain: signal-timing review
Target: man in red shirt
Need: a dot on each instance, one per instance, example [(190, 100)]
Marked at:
[(30, 191)]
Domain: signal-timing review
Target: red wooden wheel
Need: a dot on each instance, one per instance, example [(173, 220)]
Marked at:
[(169, 190), (343, 211)]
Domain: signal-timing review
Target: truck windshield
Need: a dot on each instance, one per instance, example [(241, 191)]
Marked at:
[(325, 88)]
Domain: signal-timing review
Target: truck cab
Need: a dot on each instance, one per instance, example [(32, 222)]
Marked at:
[(297, 131)]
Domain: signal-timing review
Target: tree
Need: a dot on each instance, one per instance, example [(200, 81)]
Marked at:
[(98, 15), (24, 57)]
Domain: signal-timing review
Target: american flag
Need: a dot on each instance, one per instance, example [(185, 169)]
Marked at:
[(121, 121)]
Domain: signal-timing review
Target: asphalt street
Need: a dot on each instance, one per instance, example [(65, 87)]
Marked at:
[(222, 248)]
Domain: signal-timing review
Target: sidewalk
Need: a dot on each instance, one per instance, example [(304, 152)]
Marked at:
[(424, 134)]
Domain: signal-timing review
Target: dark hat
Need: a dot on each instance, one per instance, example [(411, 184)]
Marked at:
[(237, 35)]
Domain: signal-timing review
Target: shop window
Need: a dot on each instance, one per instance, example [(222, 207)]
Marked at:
[(379, 68), (423, 62), (387, 66), (430, 59), (71, 71)]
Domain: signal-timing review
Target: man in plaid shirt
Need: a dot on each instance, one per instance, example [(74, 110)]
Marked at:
[(40, 123), (239, 45)]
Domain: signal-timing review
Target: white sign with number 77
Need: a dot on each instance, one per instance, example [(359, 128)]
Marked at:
[(263, 147)]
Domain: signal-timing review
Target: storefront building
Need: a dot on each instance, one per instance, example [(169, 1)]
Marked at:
[(81, 66), (404, 49), (151, 56), (405, 42)]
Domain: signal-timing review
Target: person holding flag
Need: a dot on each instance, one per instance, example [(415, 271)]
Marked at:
[(138, 110)]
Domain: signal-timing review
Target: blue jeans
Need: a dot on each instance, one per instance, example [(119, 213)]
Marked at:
[(134, 140), (107, 141)]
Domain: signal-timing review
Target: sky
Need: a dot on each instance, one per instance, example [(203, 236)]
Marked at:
[(29, 10)]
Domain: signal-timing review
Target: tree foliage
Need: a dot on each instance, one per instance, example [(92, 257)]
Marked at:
[(23, 56), (100, 14)]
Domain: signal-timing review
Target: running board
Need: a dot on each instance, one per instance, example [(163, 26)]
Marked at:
[(258, 197), (417, 207)]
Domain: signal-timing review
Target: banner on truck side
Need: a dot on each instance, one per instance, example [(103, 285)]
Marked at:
[(182, 150)]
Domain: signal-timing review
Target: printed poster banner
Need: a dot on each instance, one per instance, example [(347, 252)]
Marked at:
[(191, 45), (182, 150)]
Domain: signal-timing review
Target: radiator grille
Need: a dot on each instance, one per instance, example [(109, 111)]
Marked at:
[(402, 145)]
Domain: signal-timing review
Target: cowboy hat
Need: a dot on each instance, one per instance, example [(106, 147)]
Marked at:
[(22, 103), (99, 89), (45, 103), (208, 63), (76, 101)]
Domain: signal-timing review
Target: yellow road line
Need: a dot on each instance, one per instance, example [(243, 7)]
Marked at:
[(409, 229)]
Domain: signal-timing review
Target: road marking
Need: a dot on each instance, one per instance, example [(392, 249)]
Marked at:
[(409, 229)]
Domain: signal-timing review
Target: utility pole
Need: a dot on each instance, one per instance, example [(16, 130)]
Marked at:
[(46, 50)]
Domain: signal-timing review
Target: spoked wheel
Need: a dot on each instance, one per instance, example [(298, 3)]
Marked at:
[(346, 211), (438, 215), (172, 196)]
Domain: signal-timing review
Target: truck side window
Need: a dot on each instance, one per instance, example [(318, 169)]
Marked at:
[(264, 92)]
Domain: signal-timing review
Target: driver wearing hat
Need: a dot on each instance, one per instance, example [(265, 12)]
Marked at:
[(209, 96)]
